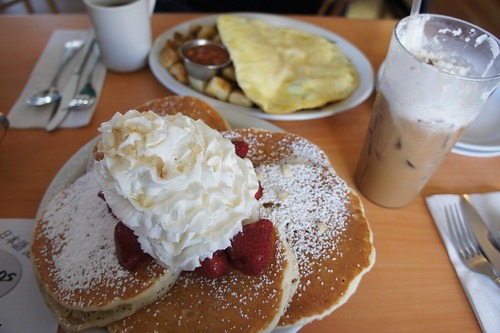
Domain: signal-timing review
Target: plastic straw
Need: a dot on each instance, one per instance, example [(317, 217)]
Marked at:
[(415, 7)]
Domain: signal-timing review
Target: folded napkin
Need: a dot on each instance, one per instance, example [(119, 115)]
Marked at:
[(483, 293), (24, 116), (22, 306)]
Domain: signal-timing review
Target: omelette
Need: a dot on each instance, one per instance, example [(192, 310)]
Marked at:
[(284, 70)]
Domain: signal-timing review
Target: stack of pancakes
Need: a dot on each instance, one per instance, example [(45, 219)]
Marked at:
[(323, 248)]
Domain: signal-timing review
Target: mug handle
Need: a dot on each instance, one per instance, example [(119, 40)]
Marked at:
[(152, 4)]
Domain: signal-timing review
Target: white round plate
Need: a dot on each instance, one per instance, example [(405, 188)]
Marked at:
[(484, 132), (474, 153), (359, 60), (482, 137)]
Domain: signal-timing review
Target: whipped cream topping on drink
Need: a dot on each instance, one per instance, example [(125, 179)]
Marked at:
[(446, 63), (177, 183)]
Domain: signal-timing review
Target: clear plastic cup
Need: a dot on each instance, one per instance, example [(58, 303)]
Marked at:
[(438, 73)]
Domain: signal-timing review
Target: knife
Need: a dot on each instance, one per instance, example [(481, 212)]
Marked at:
[(71, 87), (475, 221)]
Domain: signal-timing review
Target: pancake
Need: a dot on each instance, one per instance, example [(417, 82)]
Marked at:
[(88, 293), (322, 220), (189, 106), (318, 214), (235, 302), (74, 257), (284, 70)]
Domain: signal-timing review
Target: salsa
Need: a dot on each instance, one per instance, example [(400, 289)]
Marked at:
[(209, 54)]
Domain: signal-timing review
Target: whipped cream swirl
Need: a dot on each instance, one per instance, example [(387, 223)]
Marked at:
[(177, 183)]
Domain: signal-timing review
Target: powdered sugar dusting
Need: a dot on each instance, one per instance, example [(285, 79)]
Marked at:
[(80, 230), (310, 216), (302, 196), (234, 302)]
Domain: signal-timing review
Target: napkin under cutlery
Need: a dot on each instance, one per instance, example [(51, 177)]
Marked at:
[(23, 116), (22, 306), (482, 292)]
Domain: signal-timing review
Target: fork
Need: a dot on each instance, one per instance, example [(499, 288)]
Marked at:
[(466, 244), (87, 95)]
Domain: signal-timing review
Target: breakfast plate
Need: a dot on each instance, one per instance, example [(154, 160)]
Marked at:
[(359, 60), (79, 163)]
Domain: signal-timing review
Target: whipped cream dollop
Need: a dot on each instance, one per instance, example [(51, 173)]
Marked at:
[(177, 183)]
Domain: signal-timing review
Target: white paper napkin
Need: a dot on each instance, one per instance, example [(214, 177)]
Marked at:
[(483, 293), (22, 306), (24, 116)]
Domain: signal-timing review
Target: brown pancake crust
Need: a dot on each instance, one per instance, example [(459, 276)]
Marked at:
[(188, 106), (234, 302), (320, 216)]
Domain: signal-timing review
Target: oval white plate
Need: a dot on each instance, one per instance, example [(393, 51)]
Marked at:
[(358, 58)]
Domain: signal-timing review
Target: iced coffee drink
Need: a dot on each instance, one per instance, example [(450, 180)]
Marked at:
[(438, 73)]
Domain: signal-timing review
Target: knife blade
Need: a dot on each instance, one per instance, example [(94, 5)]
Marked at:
[(480, 231), (71, 87)]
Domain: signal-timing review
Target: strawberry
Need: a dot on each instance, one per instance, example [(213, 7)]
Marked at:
[(240, 147), (214, 267), (252, 249), (128, 248), (259, 192), (101, 196)]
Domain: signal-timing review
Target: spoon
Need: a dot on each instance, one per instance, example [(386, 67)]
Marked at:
[(52, 94), (87, 95)]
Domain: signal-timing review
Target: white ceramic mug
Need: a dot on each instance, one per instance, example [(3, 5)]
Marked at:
[(123, 31)]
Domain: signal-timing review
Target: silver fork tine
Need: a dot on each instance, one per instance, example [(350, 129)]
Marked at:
[(466, 244), (464, 236)]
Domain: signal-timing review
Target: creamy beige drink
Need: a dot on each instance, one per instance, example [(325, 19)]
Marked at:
[(401, 153), (437, 75)]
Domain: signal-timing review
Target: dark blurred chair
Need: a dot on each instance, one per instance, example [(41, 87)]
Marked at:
[(401, 8), (334, 7), (310, 7)]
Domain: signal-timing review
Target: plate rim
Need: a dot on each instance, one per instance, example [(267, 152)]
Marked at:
[(359, 59), (474, 152), (490, 145)]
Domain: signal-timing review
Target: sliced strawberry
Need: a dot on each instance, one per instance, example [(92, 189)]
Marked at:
[(241, 148), (100, 194), (128, 248), (259, 193), (252, 249), (103, 198), (214, 267)]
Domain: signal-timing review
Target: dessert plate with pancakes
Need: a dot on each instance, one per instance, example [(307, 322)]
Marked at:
[(361, 91), (323, 249)]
